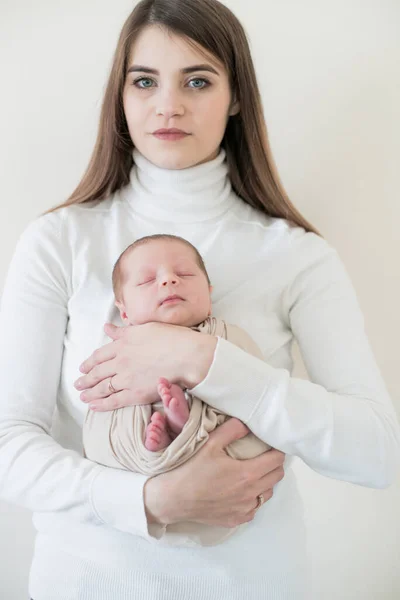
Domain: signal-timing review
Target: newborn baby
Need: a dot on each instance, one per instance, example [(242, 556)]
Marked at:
[(163, 279)]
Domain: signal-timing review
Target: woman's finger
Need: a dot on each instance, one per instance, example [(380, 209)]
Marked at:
[(268, 481), (264, 486), (106, 352), (112, 402), (113, 331), (97, 379), (249, 516), (228, 432), (264, 463)]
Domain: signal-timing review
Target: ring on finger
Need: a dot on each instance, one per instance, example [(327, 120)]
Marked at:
[(260, 501), (111, 388)]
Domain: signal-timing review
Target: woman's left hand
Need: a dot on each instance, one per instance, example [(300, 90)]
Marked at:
[(135, 360)]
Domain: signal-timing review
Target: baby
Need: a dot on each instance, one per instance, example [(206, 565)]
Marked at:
[(163, 278)]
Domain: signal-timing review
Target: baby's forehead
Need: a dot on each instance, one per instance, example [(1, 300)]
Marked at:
[(170, 251)]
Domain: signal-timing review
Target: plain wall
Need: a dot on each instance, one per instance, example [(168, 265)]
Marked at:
[(329, 76)]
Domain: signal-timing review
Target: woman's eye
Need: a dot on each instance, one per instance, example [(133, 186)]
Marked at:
[(143, 80), (201, 81), (185, 274), (145, 83)]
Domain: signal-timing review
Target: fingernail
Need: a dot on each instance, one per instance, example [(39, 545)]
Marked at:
[(78, 384), (93, 406), (83, 397), (82, 368)]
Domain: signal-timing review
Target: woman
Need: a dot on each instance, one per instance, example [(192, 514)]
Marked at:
[(182, 65)]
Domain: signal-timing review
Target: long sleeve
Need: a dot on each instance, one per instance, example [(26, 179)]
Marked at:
[(341, 423), (35, 471)]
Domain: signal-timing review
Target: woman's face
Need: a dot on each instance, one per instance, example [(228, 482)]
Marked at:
[(163, 91)]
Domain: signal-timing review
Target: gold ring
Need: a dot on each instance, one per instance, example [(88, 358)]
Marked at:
[(111, 388), (260, 501)]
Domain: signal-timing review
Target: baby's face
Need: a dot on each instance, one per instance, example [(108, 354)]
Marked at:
[(164, 283)]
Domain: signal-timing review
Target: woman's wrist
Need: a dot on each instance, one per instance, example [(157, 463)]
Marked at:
[(198, 359), (161, 506), (151, 497)]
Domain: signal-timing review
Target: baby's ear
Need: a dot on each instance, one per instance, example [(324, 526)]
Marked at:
[(121, 309)]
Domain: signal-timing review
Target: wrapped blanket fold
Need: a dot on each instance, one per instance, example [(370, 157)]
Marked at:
[(116, 439)]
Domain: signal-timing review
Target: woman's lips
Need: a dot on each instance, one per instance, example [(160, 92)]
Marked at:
[(170, 136)]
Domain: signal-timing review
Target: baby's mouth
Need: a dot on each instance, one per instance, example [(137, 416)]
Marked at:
[(171, 299)]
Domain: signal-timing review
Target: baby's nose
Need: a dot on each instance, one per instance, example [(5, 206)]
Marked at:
[(169, 279)]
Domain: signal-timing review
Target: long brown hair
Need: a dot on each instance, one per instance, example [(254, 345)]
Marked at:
[(211, 25)]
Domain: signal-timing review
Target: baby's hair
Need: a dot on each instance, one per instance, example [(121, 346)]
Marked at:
[(118, 273)]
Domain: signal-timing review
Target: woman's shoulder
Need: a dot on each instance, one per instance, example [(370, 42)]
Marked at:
[(304, 252), (281, 236), (58, 232), (75, 216), (91, 210), (314, 268), (306, 244)]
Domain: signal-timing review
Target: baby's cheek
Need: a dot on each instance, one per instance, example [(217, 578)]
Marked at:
[(142, 311), (149, 313), (202, 307)]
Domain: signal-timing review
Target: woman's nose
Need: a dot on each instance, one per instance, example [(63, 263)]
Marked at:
[(169, 105), (169, 112)]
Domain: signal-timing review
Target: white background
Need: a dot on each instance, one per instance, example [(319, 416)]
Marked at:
[(330, 79)]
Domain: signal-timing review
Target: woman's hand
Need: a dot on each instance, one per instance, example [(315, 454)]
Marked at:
[(135, 360), (211, 487)]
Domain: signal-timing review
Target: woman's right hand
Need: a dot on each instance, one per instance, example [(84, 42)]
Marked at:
[(212, 488)]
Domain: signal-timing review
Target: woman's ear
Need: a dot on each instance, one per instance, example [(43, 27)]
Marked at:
[(235, 108)]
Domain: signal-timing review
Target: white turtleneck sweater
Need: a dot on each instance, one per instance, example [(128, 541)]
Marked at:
[(275, 281)]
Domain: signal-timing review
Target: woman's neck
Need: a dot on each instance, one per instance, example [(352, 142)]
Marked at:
[(189, 195)]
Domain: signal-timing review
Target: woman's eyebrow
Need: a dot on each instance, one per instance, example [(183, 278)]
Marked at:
[(186, 70)]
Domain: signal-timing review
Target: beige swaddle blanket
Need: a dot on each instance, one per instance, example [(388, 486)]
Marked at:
[(116, 439)]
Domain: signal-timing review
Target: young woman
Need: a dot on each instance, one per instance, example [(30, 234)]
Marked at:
[(182, 149)]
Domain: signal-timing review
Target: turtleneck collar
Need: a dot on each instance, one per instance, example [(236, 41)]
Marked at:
[(187, 195)]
